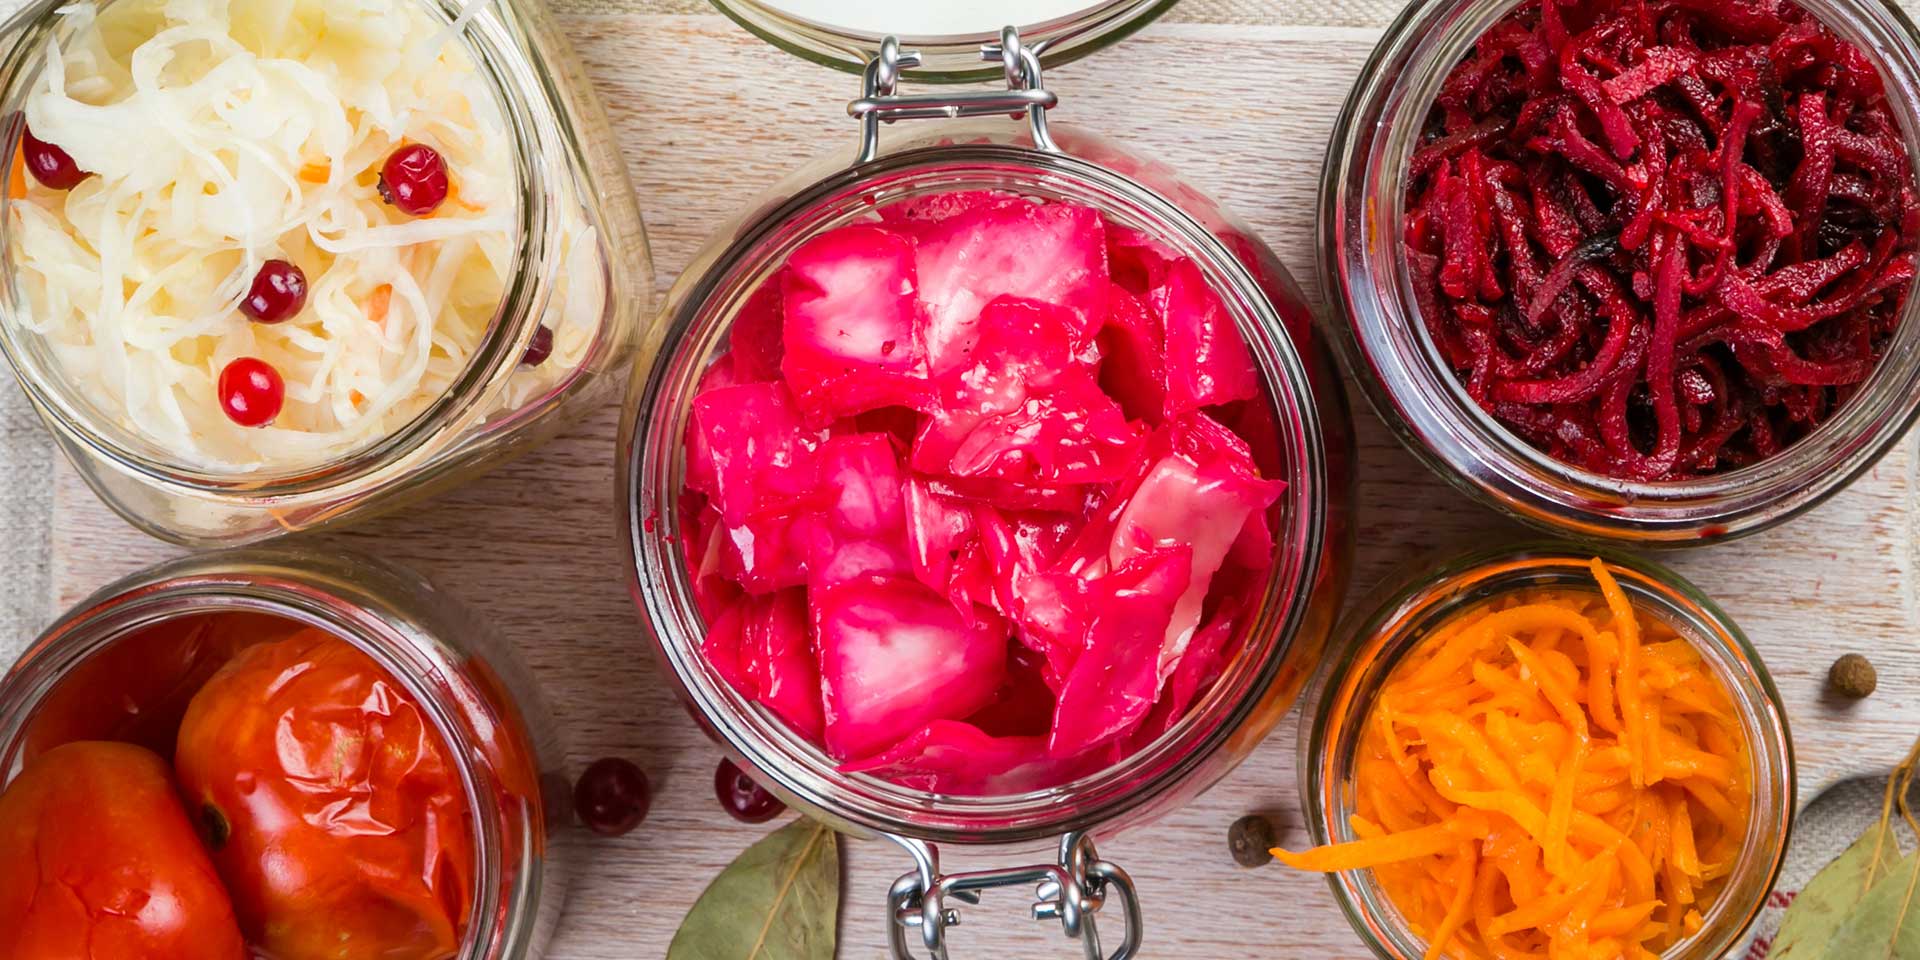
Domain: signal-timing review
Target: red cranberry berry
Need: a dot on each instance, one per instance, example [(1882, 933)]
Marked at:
[(612, 796), (415, 180), (49, 164), (747, 801), (539, 348), (279, 291), (251, 392)]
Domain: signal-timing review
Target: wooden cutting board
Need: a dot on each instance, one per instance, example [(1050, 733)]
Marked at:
[(709, 115)]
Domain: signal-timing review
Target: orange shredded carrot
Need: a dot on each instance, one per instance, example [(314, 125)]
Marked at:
[(317, 172), (1462, 880), (1360, 854), (1626, 682), (17, 176), (379, 302), (1548, 775), (454, 197)]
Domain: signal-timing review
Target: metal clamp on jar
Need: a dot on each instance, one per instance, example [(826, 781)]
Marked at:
[(1290, 616)]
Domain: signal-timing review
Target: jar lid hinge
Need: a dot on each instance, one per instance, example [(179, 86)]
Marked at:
[(880, 102)]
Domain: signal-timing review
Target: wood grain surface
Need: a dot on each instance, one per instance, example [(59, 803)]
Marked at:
[(708, 116)]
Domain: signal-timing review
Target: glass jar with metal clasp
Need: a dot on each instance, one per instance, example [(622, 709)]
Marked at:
[(1290, 614)]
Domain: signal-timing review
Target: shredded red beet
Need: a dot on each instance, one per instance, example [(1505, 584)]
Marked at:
[(1661, 239)]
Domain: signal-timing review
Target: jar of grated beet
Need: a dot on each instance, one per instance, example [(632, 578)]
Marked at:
[(1633, 271)]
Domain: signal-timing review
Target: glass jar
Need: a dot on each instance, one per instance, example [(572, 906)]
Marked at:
[(579, 265), (1392, 622), (955, 32), (1376, 328), (467, 681), (1296, 606)]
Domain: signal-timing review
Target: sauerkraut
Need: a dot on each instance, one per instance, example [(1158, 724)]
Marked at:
[(225, 133)]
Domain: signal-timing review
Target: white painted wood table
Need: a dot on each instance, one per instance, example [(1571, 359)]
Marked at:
[(709, 115)]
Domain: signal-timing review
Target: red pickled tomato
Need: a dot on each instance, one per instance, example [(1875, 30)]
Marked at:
[(347, 831), (745, 800), (251, 392), (612, 796), (279, 291), (415, 180), (49, 164), (99, 858)]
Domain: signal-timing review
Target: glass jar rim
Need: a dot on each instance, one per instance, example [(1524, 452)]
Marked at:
[(1391, 354), (201, 585), (650, 478), (1424, 594), (490, 39), (950, 58)]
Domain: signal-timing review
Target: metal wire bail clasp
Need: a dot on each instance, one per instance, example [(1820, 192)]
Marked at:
[(881, 101), (1070, 891)]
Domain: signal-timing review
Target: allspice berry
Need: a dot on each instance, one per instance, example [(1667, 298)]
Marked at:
[(1252, 839), (1852, 676)]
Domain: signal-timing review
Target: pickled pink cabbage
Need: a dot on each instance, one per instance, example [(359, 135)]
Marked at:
[(754, 343), (1021, 408), (850, 305), (959, 758), (978, 495), (895, 656), (1207, 362), (1055, 253), (1116, 675), (863, 531), (761, 646)]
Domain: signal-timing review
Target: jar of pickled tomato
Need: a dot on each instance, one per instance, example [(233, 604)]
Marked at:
[(1397, 629), (134, 662), (360, 256), (1703, 421), (828, 256)]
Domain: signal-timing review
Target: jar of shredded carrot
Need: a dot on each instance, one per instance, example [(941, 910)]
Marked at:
[(1538, 753)]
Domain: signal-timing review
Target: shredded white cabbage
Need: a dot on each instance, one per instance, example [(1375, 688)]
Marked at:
[(225, 133)]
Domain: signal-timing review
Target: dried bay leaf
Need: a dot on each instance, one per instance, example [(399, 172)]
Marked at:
[(1817, 913), (779, 900), (1865, 907), (1885, 926)]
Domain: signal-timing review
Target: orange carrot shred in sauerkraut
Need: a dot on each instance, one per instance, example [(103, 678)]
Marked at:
[(1548, 776)]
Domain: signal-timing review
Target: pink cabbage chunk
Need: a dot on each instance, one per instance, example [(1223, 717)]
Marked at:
[(1054, 253), (960, 759), (895, 656), (982, 494), (850, 305), (1024, 408)]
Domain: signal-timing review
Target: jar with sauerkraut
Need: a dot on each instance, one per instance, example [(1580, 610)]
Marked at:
[(277, 265)]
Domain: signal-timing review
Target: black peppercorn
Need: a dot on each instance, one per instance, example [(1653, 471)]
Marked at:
[(1252, 840), (1853, 676)]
